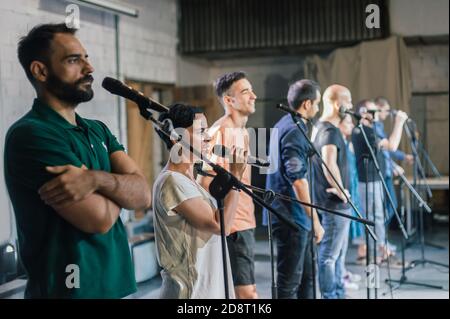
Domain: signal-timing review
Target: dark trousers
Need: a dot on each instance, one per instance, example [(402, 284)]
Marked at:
[(294, 263)]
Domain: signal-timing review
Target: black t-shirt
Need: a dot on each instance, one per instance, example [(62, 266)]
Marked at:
[(362, 151), (328, 134)]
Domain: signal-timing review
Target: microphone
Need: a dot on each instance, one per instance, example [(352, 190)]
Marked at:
[(287, 109), (393, 112), (118, 88), (199, 171), (223, 151), (343, 111)]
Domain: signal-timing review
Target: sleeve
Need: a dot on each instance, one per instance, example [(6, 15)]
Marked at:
[(113, 143), (379, 130), (398, 155), (331, 137), (294, 156), (176, 190), (30, 149)]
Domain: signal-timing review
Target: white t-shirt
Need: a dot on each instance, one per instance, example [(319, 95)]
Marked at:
[(191, 259)]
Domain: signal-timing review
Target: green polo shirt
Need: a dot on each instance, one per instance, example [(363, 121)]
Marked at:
[(53, 251)]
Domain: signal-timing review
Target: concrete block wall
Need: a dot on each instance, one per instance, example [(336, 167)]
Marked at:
[(429, 70)]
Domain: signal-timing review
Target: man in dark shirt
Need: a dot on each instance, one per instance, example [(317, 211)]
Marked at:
[(289, 148), (330, 144), (374, 188)]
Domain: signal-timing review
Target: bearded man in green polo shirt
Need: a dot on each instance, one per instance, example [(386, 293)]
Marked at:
[(68, 178)]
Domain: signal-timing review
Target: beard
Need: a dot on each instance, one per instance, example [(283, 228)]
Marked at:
[(71, 93)]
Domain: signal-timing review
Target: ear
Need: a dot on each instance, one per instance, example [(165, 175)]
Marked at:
[(227, 100), (39, 71), (305, 104), (337, 105)]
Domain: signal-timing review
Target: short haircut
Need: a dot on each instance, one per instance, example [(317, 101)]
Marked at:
[(181, 115), (361, 104), (301, 91), (381, 101), (224, 82), (35, 46)]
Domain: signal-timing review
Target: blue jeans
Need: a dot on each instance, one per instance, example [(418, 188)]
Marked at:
[(376, 207), (294, 263), (390, 185), (331, 253)]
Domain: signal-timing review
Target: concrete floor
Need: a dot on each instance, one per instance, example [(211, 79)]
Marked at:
[(427, 274)]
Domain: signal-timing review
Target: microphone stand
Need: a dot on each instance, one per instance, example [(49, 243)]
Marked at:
[(418, 169), (269, 196), (313, 235), (295, 200), (403, 279), (222, 184), (366, 166), (428, 160), (374, 251), (274, 195)]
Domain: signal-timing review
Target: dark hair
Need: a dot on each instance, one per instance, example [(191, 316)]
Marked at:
[(301, 91), (181, 115), (381, 101), (361, 104), (223, 83), (36, 45)]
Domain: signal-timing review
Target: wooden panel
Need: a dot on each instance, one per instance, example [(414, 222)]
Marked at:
[(140, 137), (201, 96)]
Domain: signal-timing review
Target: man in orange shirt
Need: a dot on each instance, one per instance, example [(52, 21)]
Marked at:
[(236, 95)]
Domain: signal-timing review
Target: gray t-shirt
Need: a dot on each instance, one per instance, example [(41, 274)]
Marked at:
[(191, 259)]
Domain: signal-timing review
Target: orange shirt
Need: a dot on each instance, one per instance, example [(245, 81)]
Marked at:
[(223, 133)]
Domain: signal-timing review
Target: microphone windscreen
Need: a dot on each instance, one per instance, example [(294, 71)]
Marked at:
[(114, 86)]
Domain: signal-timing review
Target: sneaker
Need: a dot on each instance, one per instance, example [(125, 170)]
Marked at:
[(361, 260), (351, 285), (351, 277)]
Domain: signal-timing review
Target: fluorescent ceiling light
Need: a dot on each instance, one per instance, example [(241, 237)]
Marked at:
[(109, 6)]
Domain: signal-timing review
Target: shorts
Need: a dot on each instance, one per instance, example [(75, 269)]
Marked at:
[(241, 246)]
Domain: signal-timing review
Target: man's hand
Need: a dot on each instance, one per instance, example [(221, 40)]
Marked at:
[(239, 159), (318, 232), (409, 159), (398, 170), (401, 117), (72, 184), (339, 194)]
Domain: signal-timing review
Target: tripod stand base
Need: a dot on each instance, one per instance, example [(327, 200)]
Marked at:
[(404, 281), (434, 245), (417, 262)]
